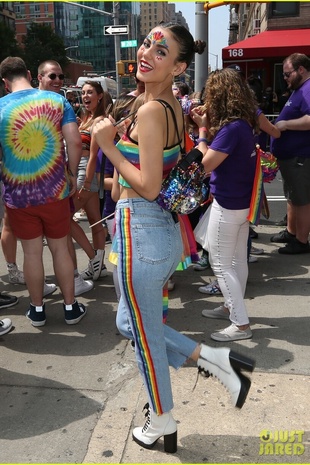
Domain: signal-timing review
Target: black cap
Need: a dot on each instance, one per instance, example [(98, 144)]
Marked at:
[(235, 68)]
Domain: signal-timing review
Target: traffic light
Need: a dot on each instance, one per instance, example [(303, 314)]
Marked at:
[(120, 68), (130, 67)]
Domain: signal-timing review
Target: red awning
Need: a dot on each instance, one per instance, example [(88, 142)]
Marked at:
[(269, 44)]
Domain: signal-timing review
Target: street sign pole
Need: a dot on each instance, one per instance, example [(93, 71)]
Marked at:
[(117, 45), (201, 61), (115, 17)]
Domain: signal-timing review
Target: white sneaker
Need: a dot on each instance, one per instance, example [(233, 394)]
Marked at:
[(81, 215), (48, 289), (218, 312), (81, 286), (16, 276), (232, 333), (95, 265), (252, 259), (5, 326), (104, 271), (256, 251)]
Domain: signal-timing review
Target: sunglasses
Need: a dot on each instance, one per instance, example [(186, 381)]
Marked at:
[(287, 75), (53, 76)]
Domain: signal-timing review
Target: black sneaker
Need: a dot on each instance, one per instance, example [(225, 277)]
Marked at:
[(282, 222), (283, 237), (7, 300), (36, 315), (253, 234), (295, 247), (74, 313)]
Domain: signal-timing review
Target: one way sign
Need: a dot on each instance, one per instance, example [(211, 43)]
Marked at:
[(115, 30)]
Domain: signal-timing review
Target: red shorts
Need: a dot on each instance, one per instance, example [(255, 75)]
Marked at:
[(49, 220)]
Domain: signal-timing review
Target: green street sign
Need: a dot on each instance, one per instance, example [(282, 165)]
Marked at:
[(128, 43)]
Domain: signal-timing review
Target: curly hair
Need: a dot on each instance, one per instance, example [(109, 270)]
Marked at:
[(228, 98)]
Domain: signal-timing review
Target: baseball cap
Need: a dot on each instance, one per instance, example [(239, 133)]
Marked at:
[(235, 68)]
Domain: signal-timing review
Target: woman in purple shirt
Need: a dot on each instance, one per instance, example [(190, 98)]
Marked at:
[(231, 122)]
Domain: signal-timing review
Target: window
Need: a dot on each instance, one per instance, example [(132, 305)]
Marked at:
[(284, 9)]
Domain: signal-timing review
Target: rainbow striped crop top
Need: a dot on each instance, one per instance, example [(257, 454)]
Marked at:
[(130, 150)]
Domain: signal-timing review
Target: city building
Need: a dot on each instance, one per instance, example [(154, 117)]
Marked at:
[(88, 46), (262, 34), (7, 14)]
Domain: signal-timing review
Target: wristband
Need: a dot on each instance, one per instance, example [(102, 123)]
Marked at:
[(84, 189), (202, 139), (203, 129)]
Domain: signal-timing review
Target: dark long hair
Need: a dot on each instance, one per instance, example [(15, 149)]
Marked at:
[(101, 107), (187, 45)]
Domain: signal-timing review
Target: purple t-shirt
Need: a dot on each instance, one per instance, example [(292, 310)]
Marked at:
[(231, 182), (294, 143)]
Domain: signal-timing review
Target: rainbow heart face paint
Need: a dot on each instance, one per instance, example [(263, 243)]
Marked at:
[(157, 37)]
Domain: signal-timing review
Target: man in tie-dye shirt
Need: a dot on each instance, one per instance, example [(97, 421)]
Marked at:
[(38, 181)]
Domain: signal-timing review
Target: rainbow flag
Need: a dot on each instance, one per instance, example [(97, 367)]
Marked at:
[(257, 191)]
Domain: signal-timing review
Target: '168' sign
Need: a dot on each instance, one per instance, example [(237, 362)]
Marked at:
[(236, 52)]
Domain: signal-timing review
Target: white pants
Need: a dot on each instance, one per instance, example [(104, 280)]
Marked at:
[(227, 236)]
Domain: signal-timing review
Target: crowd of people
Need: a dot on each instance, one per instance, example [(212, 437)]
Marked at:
[(110, 162)]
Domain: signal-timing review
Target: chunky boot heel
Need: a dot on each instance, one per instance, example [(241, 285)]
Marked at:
[(240, 362), (226, 365), (155, 427), (170, 443), (244, 389)]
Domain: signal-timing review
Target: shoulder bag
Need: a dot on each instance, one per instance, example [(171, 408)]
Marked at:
[(184, 190)]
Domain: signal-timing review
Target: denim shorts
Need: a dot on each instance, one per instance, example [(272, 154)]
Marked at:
[(94, 187)]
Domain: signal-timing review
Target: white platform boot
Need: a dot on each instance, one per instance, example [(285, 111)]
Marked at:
[(155, 427), (226, 365)]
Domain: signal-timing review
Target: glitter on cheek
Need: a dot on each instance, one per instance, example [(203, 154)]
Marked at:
[(159, 58)]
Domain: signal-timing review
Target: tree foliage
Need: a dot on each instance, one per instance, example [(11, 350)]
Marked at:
[(40, 44), (9, 46)]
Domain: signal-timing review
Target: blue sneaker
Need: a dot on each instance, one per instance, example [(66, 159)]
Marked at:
[(74, 313), (211, 289), (36, 315), (202, 264)]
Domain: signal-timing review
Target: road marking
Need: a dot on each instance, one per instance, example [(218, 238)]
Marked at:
[(276, 198)]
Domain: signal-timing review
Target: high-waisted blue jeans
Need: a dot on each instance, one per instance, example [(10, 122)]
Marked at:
[(149, 248), (227, 237)]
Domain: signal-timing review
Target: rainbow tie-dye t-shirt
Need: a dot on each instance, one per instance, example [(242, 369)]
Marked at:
[(34, 162)]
